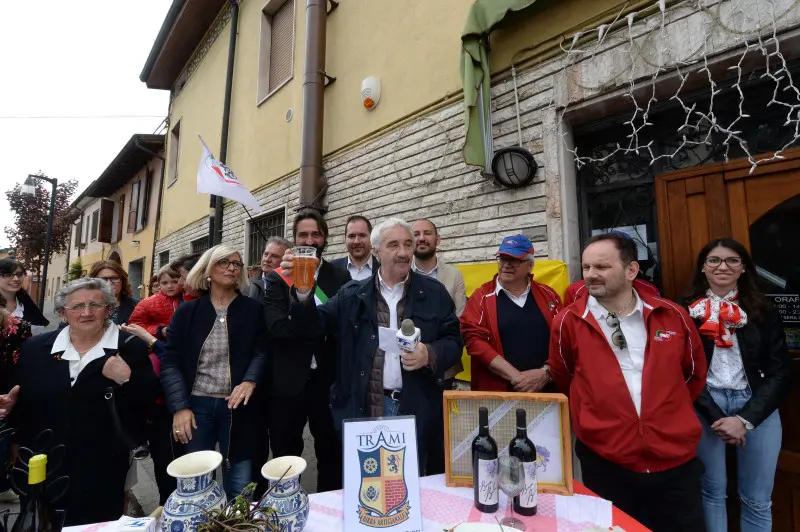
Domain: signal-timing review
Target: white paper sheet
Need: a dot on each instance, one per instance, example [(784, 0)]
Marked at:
[(584, 509)]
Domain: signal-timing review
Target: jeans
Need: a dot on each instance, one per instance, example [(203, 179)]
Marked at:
[(391, 408), (213, 419), (756, 463)]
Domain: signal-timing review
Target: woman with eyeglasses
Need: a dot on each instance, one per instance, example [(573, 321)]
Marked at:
[(748, 377), (215, 357), (18, 303), (113, 273), (62, 382)]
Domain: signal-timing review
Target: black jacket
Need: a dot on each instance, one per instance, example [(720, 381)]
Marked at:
[(190, 326), (766, 365), (352, 316), (255, 290), (125, 310), (31, 313), (96, 457), (291, 347)]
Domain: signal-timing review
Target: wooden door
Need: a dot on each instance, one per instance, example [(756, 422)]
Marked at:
[(727, 200)]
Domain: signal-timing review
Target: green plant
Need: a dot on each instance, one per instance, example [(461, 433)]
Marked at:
[(239, 514), (75, 270)]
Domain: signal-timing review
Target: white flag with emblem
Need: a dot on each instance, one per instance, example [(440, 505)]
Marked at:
[(213, 177)]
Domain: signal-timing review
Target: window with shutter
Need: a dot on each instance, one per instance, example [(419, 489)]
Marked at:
[(276, 56), (121, 209), (95, 224), (106, 221), (144, 200), (132, 207), (172, 153)]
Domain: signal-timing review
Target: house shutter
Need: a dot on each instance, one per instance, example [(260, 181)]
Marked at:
[(134, 204), (106, 221), (145, 204), (281, 44), (79, 233)]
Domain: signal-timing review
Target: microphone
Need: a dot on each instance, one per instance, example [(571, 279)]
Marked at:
[(408, 336)]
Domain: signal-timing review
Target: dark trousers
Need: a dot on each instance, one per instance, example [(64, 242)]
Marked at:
[(665, 501), (287, 419), (163, 450)]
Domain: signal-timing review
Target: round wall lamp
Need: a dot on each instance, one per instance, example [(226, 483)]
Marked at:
[(514, 167)]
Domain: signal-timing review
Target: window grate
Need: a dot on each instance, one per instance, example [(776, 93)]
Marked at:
[(200, 245), (259, 230)]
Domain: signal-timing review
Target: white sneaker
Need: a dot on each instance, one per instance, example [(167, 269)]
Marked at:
[(9, 497)]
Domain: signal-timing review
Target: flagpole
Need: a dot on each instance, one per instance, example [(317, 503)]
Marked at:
[(216, 236)]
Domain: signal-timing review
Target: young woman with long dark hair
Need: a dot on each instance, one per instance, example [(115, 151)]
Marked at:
[(748, 377)]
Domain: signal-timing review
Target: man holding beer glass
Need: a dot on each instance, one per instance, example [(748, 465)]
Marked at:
[(374, 377), (302, 370)]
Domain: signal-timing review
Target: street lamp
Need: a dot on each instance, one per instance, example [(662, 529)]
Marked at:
[(29, 189)]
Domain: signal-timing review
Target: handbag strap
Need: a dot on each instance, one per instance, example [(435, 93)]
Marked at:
[(112, 407)]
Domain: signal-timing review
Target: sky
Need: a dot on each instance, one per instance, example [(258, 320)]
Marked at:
[(71, 65)]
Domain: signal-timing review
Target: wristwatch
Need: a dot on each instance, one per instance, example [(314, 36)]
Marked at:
[(546, 369), (747, 424)]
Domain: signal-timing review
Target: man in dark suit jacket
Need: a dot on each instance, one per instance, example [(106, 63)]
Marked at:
[(270, 259), (303, 370), (360, 263)]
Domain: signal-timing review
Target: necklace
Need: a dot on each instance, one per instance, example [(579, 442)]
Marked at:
[(624, 311)]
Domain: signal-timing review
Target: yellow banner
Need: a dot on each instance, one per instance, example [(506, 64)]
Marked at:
[(553, 273)]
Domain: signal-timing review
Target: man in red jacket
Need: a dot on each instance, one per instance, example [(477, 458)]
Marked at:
[(506, 325), (632, 364)]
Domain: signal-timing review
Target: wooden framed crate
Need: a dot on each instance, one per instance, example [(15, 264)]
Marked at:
[(548, 428)]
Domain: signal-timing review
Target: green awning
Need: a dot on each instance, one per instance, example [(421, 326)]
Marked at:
[(483, 16)]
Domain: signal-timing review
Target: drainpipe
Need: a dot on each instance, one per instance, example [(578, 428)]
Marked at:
[(158, 211), (312, 182), (216, 235)]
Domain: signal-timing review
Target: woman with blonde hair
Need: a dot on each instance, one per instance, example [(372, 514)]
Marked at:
[(215, 357)]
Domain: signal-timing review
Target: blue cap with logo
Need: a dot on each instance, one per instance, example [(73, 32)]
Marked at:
[(517, 246)]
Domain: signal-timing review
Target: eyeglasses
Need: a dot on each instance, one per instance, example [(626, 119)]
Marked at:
[(511, 261), (92, 307), (224, 263), (617, 338), (18, 275), (110, 279), (732, 262)]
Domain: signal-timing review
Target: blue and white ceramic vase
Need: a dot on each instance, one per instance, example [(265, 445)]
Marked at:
[(197, 490), (287, 498)]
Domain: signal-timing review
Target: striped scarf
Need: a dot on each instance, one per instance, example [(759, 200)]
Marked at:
[(720, 315)]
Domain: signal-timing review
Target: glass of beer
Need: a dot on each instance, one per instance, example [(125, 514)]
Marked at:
[(303, 266)]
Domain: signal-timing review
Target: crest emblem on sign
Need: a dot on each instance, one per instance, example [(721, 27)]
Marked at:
[(222, 171), (383, 496)]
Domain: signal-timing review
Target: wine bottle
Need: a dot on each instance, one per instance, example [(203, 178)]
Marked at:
[(36, 515), (484, 466), (522, 447)]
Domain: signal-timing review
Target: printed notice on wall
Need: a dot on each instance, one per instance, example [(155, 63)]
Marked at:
[(381, 475), (788, 306)]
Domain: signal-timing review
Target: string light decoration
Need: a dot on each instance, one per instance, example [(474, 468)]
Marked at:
[(680, 41)]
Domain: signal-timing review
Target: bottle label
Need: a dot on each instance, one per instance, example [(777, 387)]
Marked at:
[(487, 476), (529, 494)]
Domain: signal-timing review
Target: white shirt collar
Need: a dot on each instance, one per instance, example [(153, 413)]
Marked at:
[(385, 287), (499, 287), (600, 312), (367, 265), (423, 272), (63, 344)]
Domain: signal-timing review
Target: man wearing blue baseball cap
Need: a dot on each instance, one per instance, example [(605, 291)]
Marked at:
[(506, 325)]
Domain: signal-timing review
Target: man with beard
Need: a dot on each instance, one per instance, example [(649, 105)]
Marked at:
[(633, 364), (360, 263), (506, 325), (302, 369), (373, 377), (426, 242), (270, 259)]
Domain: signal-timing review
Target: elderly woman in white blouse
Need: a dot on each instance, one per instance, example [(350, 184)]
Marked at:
[(62, 382)]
